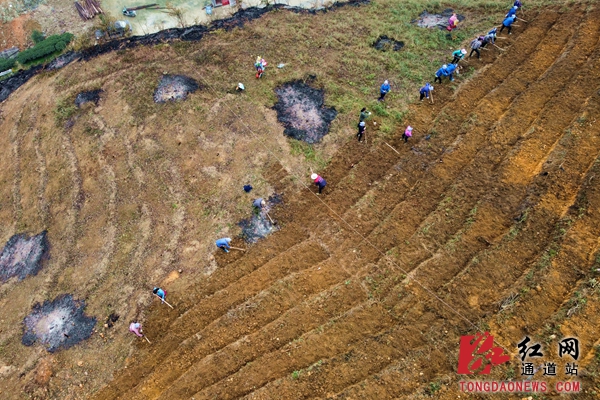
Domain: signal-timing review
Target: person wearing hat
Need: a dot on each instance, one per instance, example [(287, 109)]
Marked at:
[(240, 87), (512, 11), (160, 293), (475, 45), (518, 4), (319, 181), (446, 70), (136, 327), (259, 203), (385, 88), (425, 92), (362, 126), (364, 114), (407, 133), (458, 55), (223, 243), (507, 23)]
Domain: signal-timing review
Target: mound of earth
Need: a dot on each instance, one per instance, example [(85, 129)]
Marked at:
[(23, 255), (174, 87), (57, 324), (385, 43), (91, 96), (301, 111), (427, 20)]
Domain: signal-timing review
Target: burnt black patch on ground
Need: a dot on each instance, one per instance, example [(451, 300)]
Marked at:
[(174, 87), (63, 60), (259, 225), (385, 43), (301, 111), (23, 255), (57, 324), (431, 20), (92, 96)]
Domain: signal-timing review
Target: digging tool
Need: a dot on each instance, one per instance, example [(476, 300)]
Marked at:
[(147, 339), (270, 219), (501, 37), (521, 19), (163, 300), (392, 148), (236, 248), (499, 48)]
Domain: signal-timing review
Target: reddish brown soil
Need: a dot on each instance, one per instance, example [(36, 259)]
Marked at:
[(323, 307)]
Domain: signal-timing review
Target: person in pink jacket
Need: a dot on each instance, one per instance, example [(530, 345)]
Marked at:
[(407, 133), (319, 181), (136, 327)]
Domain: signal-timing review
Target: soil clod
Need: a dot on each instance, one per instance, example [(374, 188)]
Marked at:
[(174, 87), (57, 324), (23, 255), (385, 43), (88, 97), (301, 111)]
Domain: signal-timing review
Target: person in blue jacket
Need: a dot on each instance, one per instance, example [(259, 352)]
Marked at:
[(224, 244), (446, 70), (385, 88), (160, 293), (512, 11), (518, 4), (425, 91), (507, 23)]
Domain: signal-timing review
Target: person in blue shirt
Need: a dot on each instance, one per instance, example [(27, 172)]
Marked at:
[(224, 244), (425, 91), (490, 37), (518, 4), (385, 88), (259, 203), (446, 70), (512, 11), (160, 293), (507, 23)]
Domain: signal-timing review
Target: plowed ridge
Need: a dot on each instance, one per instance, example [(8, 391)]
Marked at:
[(468, 214)]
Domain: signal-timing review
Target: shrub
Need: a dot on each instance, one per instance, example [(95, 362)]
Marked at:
[(47, 46), (37, 36), (6, 63)]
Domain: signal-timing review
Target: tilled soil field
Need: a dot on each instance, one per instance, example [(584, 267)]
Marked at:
[(364, 292)]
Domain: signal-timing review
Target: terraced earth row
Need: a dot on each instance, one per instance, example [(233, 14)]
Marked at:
[(489, 222)]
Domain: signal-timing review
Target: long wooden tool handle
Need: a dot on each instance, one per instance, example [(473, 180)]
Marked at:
[(236, 248), (147, 339), (392, 148)]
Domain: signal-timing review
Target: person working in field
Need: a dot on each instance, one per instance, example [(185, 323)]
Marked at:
[(364, 114), (319, 181), (259, 203), (425, 91), (160, 293), (385, 89), (452, 22), (475, 46), (458, 55), (136, 327), (223, 243), (446, 70), (260, 66), (512, 11), (507, 23)]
